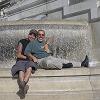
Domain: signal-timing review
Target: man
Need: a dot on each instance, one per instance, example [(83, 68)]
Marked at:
[(38, 52), (23, 66)]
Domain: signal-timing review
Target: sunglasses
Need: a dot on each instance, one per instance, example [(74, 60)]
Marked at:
[(41, 34)]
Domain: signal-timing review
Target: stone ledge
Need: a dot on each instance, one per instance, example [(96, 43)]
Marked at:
[(49, 84), (72, 84), (54, 73), (62, 96), (30, 22)]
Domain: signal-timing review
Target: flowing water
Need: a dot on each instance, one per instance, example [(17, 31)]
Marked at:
[(70, 41)]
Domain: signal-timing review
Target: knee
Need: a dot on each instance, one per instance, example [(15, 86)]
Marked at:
[(29, 69)]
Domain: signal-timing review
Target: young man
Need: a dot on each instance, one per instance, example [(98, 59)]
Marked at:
[(38, 52), (24, 66)]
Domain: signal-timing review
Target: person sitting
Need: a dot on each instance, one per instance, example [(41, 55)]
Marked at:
[(23, 66), (40, 55)]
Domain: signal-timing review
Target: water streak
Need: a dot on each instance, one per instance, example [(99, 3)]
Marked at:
[(71, 42)]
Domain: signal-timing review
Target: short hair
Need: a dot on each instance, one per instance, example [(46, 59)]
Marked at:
[(41, 30), (34, 32)]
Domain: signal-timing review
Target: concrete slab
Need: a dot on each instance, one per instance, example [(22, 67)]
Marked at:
[(62, 96), (45, 84), (42, 72), (96, 95), (95, 82), (95, 71), (65, 84)]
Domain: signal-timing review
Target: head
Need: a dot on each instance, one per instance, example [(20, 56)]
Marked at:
[(32, 34), (41, 35)]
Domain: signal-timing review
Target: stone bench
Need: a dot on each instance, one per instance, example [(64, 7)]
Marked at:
[(65, 84)]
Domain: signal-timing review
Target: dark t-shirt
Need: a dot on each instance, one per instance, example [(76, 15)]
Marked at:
[(24, 43)]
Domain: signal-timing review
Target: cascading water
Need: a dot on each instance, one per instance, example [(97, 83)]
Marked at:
[(70, 41)]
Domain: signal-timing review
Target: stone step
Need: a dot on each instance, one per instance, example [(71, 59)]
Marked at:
[(49, 84), (51, 96), (5, 72), (65, 84), (54, 84)]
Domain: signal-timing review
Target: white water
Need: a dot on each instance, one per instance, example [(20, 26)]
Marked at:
[(71, 42)]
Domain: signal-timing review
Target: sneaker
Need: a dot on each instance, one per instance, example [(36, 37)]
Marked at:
[(68, 65), (85, 63), (21, 94)]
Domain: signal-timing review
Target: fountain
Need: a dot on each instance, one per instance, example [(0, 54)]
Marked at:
[(72, 40)]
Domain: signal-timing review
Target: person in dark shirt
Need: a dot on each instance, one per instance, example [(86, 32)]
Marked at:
[(24, 66)]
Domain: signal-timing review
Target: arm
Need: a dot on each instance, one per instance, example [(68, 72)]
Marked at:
[(19, 51), (46, 48), (33, 58), (28, 52), (48, 41)]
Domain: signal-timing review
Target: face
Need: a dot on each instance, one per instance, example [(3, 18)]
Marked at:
[(31, 37), (41, 36)]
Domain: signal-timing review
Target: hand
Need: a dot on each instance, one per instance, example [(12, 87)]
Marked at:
[(46, 47), (35, 59), (32, 58)]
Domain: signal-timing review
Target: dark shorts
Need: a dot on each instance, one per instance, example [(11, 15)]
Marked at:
[(23, 66)]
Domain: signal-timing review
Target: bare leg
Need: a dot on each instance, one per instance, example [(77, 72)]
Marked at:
[(21, 76), (23, 79), (21, 84), (26, 78), (27, 74)]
